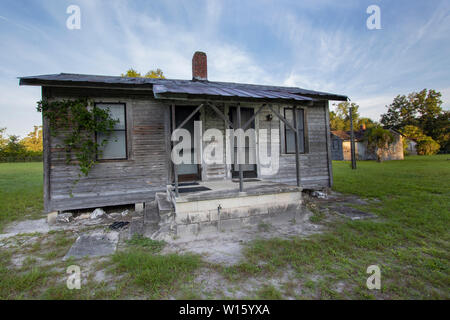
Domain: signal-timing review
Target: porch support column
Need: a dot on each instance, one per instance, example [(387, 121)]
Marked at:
[(175, 173), (241, 175), (297, 156)]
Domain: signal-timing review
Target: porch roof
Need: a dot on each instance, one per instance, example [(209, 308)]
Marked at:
[(198, 89), (186, 87)]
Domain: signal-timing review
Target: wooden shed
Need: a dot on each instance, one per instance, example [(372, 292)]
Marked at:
[(138, 164)]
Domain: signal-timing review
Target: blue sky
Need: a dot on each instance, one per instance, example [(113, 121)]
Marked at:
[(314, 44)]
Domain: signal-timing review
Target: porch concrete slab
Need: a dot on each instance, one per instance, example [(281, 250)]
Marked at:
[(94, 244), (228, 189)]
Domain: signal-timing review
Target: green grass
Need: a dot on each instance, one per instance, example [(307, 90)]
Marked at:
[(409, 241), (269, 292), (21, 191), (157, 275), (140, 241)]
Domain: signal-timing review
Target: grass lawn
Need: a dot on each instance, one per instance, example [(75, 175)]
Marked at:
[(410, 242), (20, 191)]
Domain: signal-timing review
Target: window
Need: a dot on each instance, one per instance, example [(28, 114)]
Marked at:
[(116, 148), (290, 134)]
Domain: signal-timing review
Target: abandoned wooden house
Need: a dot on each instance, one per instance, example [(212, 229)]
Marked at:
[(137, 166), (341, 147)]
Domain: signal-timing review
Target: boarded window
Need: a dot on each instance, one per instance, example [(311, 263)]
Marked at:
[(290, 135), (116, 147)]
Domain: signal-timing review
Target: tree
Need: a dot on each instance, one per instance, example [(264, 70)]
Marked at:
[(423, 110), (14, 147), (155, 74), (427, 146), (3, 139), (131, 73), (340, 118), (440, 131), (366, 122), (33, 141), (400, 113), (378, 140), (413, 132)]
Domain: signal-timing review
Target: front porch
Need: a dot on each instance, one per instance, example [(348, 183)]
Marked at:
[(217, 206)]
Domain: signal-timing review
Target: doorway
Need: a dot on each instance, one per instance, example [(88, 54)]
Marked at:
[(188, 172), (248, 170)]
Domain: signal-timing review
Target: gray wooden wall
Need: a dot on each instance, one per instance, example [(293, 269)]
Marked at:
[(118, 181), (315, 165)]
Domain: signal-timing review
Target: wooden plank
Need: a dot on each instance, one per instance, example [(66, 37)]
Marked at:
[(46, 155), (297, 161), (245, 126), (281, 118), (241, 174), (327, 131), (175, 174), (189, 117), (221, 114)]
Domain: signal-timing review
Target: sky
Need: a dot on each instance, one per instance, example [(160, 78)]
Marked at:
[(321, 45)]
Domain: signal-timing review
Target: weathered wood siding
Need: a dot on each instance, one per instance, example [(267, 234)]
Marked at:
[(113, 182), (148, 168), (211, 120), (337, 152), (315, 168), (315, 162)]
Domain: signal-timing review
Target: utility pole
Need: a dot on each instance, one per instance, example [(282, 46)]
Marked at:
[(352, 140)]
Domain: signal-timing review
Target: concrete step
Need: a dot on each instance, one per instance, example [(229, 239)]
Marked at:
[(151, 214), (164, 206)]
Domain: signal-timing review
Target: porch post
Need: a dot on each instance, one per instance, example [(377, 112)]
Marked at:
[(175, 173), (297, 157), (241, 176), (352, 140)]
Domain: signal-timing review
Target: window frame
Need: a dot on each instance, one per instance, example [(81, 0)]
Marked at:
[(305, 135), (124, 130)]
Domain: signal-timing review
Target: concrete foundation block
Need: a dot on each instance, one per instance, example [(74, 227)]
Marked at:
[(139, 207), (230, 224), (51, 217), (187, 229), (184, 207), (208, 227), (199, 216), (254, 220)]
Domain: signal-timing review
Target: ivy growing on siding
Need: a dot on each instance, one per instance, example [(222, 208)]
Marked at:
[(77, 122)]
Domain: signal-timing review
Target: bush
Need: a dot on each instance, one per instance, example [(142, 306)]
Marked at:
[(427, 146)]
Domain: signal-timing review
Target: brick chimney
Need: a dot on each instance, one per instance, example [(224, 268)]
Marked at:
[(199, 66)]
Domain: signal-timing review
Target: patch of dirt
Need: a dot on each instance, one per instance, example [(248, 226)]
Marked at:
[(225, 248), (341, 204)]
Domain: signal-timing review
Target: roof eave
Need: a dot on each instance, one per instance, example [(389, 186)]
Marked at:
[(218, 98)]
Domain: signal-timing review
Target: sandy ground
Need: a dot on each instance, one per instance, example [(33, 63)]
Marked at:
[(218, 248)]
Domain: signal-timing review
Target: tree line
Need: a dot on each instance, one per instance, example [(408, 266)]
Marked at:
[(14, 149), (418, 116)]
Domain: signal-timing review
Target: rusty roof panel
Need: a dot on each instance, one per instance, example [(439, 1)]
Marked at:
[(191, 87), (201, 89)]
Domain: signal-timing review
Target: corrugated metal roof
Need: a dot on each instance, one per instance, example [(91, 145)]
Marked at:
[(197, 88), (214, 88)]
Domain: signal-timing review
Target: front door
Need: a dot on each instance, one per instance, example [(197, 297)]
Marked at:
[(249, 170), (187, 172)]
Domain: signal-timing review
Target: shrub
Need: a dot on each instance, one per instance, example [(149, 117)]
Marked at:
[(427, 146)]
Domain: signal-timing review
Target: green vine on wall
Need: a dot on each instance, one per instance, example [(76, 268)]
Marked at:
[(77, 122)]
